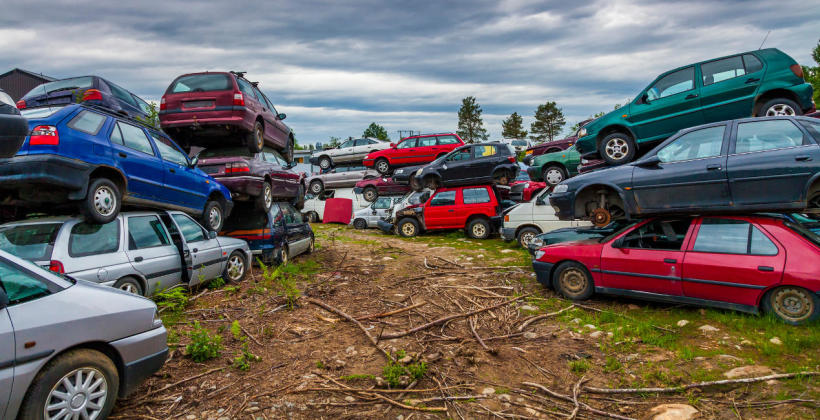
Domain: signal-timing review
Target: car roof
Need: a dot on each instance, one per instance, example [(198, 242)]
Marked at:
[(63, 219)]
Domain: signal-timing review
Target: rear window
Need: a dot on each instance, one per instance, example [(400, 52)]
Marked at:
[(224, 152), (201, 83), (802, 231), (31, 242), (60, 85), (248, 218), (92, 239), (448, 140), (519, 143)]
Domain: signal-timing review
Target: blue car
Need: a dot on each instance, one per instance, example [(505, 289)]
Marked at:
[(87, 156), (275, 236)]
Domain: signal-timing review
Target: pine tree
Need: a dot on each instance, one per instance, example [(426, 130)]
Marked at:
[(470, 126), (376, 131), (513, 127), (548, 122)]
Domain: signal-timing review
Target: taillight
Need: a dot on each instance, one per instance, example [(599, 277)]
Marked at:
[(162, 106), (236, 167), (44, 135), (92, 95), (238, 99), (511, 159), (56, 267), (21, 104), (797, 70)]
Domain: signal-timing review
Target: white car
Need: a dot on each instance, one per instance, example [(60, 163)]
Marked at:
[(351, 151), (369, 217), (524, 221), (518, 145), (314, 209)]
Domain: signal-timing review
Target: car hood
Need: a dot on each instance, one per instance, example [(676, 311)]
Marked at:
[(408, 169)]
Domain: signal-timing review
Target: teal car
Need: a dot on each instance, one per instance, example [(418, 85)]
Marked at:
[(552, 168), (756, 83)]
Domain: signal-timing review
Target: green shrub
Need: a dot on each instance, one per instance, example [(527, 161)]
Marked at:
[(579, 366), (204, 345), (216, 283), (243, 360), (173, 300)]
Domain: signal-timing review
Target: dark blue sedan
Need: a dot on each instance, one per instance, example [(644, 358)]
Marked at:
[(274, 236)]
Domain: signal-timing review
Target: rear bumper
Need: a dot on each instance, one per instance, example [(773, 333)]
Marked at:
[(236, 116), (386, 227), (42, 169), (508, 234), (562, 203), (247, 185), (143, 354), (542, 272)]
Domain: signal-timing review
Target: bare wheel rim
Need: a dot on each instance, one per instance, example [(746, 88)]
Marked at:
[(214, 218), (268, 196), (408, 229), (236, 267), (554, 176), (526, 238), (284, 256), (479, 230), (573, 281), (260, 137), (780, 110), (369, 195), (383, 166), (616, 148), (792, 304), (324, 163), (130, 288), (315, 188), (105, 201), (79, 394)]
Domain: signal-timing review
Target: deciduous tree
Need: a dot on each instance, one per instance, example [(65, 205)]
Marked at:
[(376, 131)]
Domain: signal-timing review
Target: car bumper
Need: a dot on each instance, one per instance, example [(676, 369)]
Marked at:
[(43, 169), (247, 185), (13, 132), (508, 234), (586, 146), (542, 272), (314, 160), (402, 177), (230, 115), (563, 203), (142, 355), (368, 162), (385, 226)]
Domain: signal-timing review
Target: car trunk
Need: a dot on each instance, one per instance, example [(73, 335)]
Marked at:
[(33, 242), (202, 92), (224, 166)]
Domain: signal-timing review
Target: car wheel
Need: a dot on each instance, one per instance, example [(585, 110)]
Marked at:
[(283, 255), (478, 229), (265, 200), (617, 149), (554, 174), (213, 216), (312, 217), (408, 227), (360, 224), (236, 268), (325, 163), (130, 285), (312, 245), (81, 383), (383, 166), (779, 107), (370, 194), (794, 305), (572, 280), (316, 187), (299, 200), (256, 138), (102, 202), (526, 235)]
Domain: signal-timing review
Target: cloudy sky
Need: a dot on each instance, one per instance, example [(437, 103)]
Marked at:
[(335, 66)]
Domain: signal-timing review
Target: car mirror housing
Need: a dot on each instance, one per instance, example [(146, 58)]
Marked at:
[(649, 162), (4, 299), (211, 235), (194, 161), (618, 243), (644, 99), (281, 116)]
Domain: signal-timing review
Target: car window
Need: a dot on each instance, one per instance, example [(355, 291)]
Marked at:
[(813, 127), (87, 122), (723, 69), (84, 82), (248, 218), (32, 242), (191, 230), (122, 94), (346, 144), (665, 234), (273, 156), (446, 198), (246, 88), (804, 232), (270, 104), (134, 138), (757, 136), (407, 144), (672, 84), (362, 142), (447, 140), (201, 83), (20, 285), (698, 144), (291, 215), (484, 151), (519, 143), (460, 154), (92, 239), (476, 195), (169, 152), (731, 236), (382, 203), (427, 141), (752, 63), (142, 104), (259, 96), (225, 152), (146, 232)]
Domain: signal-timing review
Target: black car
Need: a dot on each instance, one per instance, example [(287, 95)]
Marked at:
[(13, 127), (752, 164), (92, 89), (473, 164), (403, 175), (571, 234)]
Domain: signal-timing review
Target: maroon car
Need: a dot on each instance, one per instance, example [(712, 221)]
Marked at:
[(551, 146), (263, 177), (372, 188), (203, 109)]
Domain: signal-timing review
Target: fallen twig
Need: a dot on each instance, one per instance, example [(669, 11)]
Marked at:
[(540, 317), (478, 338), (407, 407), (354, 321), (386, 314), (244, 330), (576, 390), (697, 384), (169, 386), (582, 405), (449, 262)]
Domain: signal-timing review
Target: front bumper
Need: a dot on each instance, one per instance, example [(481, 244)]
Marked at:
[(43, 169), (508, 234), (587, 146), (247, 185), (542, 272), (368, 162), (563, 204), (142, 354), (402, 177), (385, 226)]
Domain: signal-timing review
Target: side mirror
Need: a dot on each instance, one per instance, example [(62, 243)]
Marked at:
[(194, 162), (644, 99), (649, 162), (281, 116), (211, 235), (618, 243), (4, 299)]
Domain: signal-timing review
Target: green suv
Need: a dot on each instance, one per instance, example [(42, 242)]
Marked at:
[(552, 168), (755, 83)]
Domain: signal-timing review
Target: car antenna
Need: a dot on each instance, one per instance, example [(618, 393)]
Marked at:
[(764, 39)]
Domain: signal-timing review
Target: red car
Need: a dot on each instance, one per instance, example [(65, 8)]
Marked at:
[(372, 188), (475, 209), (744, 263), (209, 106), (414, 150), (522, 191)]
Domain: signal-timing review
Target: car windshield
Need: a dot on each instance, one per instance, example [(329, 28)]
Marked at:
[(802, 231), (45, 112), (618, 231), (32, 242), (201, 83), (61, 85), (418, 197), (224, 152)]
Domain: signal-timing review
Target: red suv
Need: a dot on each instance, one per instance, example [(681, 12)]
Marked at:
[(744, 263), (208, 106), (415, 150), (475, 209)]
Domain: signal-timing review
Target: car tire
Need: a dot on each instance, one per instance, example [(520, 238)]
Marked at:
[(360, 224), (74, 367), (284, 255), (265, 200), (213, 216), (478, 228), (256, 138), (289, 151), (572, 280), (102, 202), (370, 194), (130, 285), (617, 149), (316, 187), (236, 267), (383, 166), (793, 305), (554, 175), (779, 107), (312, 245), (312, 217), (525, 235), (408, 227), (325, 162)]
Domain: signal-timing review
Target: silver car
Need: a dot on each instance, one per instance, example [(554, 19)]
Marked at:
[(139, 252), (342, 177), (369, 217), (351, 151), (69, 348)]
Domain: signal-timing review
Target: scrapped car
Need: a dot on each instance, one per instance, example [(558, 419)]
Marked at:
[(571, 234), (752, 84), (388, 221), (274, 236), (523, 188), (474, 164), (523, 221), (262, 177), (351, 151), (754, 164), (92, 158), (552, 146), (205, 108), (555, 167), (314, 207), (474, 209), (138, 252), (744, 263), (341, 177), (93, 90), (373, 188), (369, 217), (413, 150), (13, 127), (70, 348)]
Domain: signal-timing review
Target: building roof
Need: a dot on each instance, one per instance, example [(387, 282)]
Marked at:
[(30, 73)]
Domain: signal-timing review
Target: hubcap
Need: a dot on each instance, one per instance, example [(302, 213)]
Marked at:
[(383, 167), (215, 218), (408, 229), (260, 138), (479, 230), (780, 110), (573, 281), (79, 394), (316, 188), (105, 201), (324, 163), (268, 196), (128, 287), (236, 267), (526, 237), (554, 176), (616, 148), (284, 257), (792, 304)]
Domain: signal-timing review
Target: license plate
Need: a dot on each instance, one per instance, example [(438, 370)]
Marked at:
[(198, 104), (210, 169)]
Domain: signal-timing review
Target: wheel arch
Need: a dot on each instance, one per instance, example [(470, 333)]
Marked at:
[(103, 171), (527, 225), (771, 94), (579, 202), (569, 260), (139, 278), (100, 346), (614, 128), (813, 186)]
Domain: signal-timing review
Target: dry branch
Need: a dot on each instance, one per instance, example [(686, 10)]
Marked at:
[(697, 384), (478, 338), (386, 314), (169, 386), (569, 399), (540, 317), (354, 321)]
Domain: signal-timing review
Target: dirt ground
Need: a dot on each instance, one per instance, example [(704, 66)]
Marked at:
[(503, 353)]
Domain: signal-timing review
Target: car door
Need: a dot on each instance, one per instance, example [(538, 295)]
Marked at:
[(771, 162), (485, 159), (669, 104), (458, 165), (731, 260), (282, 130), (298, 236), (7, 356), (426, 149), (93, 252), (287, 180), (152, 253), (141, 167), (441, 211), (183, 183), (379, 209), (206, 253), (648, 258), (405, 152), (729, 87), (344, 153), (360, 149), (267, 114), (691, 173)]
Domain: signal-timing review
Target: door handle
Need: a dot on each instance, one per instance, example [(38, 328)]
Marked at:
[(713, 167), (752, 80), (172, 170), (123, 155), (800, 158), (670, 260), (765, 268), (691, 96), (138, 259)]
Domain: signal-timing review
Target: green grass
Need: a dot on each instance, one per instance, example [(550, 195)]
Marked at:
[(579, 366)]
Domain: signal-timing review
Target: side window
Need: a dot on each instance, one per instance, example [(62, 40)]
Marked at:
[(672, 84), (273, 156), (92, 239), (703, 143), (362, 142), (33, 242), (277, 215), (116, 135), (287, 214), (659, 234), (146, 232), (460, 154), (720, 70), (142, 105), (476, 195), (729, 236), (191, 230), (447, 140), (134, 138), (20, 285), (87, 122), (122, 94), (758, 136), (427, 141), (260, 96), (246, 88), (346, 144), (168, 151), (813, 127), (484, 151), (446, 198), (407, 144), (270, 104), (382, 203), (753, 64)]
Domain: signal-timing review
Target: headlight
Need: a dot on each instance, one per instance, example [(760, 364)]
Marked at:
[(157, 322), (537, 242), (529, 152), (584, 161), (560, 188), (582, 132), (539, 254), (419, 171), (399, 171)]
